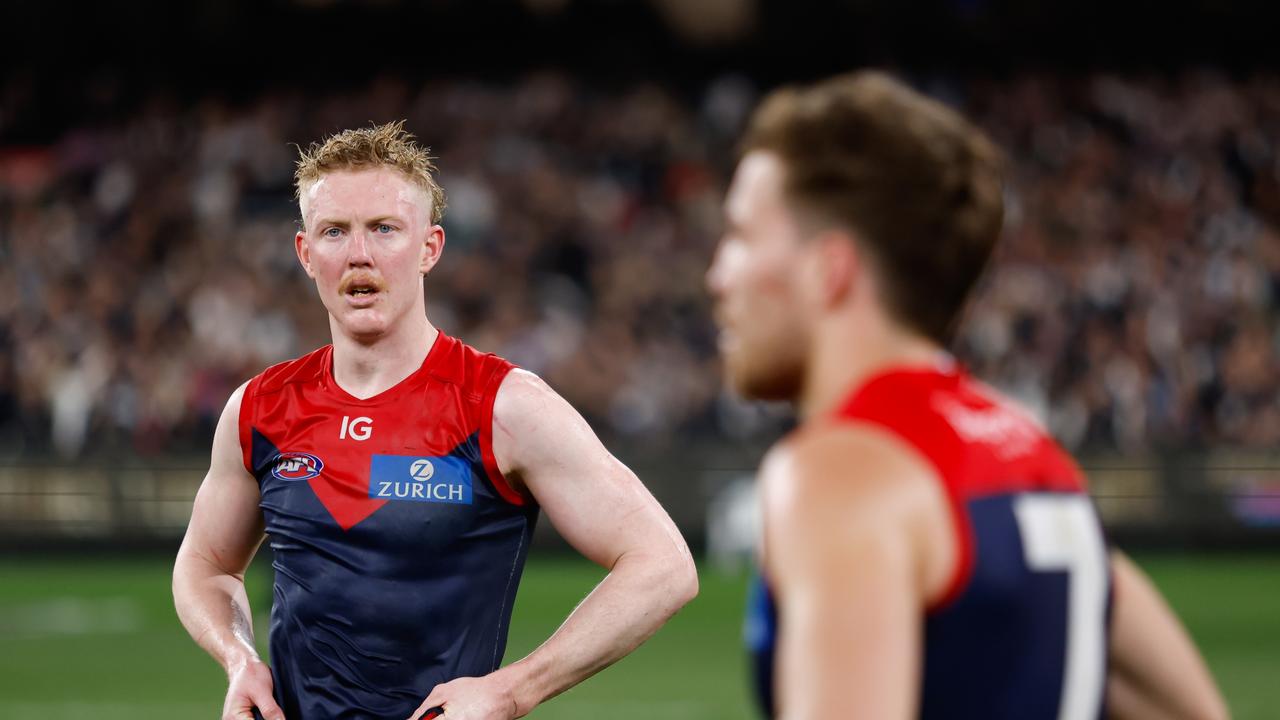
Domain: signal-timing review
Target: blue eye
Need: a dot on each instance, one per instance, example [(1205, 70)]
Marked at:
[(384, 228), (333, 232)]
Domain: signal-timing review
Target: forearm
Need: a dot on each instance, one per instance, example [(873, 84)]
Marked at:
[(1128, 699), (1155, 669), (214, 608), (639, 594)]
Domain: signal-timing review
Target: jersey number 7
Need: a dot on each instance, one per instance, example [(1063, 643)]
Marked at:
[(1061, 533)]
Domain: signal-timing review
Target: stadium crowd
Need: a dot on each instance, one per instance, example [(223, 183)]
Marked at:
[(147, 266)]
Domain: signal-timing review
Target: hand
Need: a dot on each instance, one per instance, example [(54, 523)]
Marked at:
[(250, 687), (470, 698)]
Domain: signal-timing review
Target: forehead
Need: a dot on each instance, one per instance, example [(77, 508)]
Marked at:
[(364, 193), (756, 188)]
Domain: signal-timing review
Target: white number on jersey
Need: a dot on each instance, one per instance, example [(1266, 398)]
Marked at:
[(1061, 532)]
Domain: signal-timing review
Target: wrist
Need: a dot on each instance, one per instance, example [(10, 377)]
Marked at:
[(519, 683), (239, 659)]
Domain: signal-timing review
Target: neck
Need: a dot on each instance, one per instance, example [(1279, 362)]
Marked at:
[(843, 359), (363, 368)]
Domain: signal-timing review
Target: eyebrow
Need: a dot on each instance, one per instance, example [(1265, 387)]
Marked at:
[(334, 222)]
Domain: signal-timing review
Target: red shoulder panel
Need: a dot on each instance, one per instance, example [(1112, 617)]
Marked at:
[(979, 443), (478, 376), (485, 374), (309, 367)]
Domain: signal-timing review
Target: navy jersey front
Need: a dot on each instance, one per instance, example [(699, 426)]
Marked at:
[(397, 544), (1021, 633)]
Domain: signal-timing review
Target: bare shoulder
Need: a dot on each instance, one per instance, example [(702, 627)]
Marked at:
[(533, 426), (229, 422), (236, 399), (522, 394), (226, 436), (226, 522), (527, 407), (837, 486), (846, 468)]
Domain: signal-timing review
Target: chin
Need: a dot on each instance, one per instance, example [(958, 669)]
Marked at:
[(764, 383), (363, 328)]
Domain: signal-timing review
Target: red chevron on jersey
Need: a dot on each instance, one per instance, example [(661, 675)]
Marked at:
[(396, 543), (309, 429)]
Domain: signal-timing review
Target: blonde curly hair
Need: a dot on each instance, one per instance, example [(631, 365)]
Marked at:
[(387, 145)]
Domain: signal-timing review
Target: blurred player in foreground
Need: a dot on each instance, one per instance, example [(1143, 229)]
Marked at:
[(398, 474), (928, 550)]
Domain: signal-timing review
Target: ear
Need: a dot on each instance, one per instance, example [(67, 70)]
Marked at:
[(433, 248), (837, 267), (304, 253)]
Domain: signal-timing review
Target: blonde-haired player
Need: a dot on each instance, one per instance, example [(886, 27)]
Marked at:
[(397, 474)]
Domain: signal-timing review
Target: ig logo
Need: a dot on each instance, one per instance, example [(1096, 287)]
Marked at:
[(422, 470), (359, 429)]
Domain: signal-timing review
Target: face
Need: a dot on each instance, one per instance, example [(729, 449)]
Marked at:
[(368, 241), (757, 282)]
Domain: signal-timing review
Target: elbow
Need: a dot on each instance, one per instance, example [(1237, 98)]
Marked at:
[(1215, 709), (670, 581), (683, 582), (1207, 711), (178, 576)]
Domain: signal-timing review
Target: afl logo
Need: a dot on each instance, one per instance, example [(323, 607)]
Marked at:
[(295, 466), (422, 470)]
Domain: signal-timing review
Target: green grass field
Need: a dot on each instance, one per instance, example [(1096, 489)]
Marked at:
[(98, 638)]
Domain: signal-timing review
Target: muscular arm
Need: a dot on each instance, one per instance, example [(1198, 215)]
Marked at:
[(1155, 671), (208, 576), (604, 512), (845, 555)]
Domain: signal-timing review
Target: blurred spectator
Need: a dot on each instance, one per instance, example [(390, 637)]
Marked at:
[(147, 268), (1134, 299)]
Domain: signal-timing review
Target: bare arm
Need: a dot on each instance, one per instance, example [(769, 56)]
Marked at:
[(605, 513), (845, 556), (1156, 672), (208, 577)]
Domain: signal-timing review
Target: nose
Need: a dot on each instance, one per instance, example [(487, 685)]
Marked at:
[(358, 249), (714, 277)]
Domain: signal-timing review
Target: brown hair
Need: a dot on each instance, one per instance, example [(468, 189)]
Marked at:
[(920, 187), (386, 145)]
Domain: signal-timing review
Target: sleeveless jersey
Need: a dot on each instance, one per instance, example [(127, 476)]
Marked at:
[(397, 544), (1021, 632)]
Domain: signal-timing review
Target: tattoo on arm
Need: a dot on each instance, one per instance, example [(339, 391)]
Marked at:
[(241, 626)]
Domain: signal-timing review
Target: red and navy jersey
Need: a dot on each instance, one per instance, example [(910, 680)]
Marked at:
[(397, 543), (1021, 631)]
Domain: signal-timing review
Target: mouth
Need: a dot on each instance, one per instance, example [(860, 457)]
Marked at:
[(360, 291), (721, 320), (361, 297), (726, 341)]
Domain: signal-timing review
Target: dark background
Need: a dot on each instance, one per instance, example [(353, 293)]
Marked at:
[(70, 62)]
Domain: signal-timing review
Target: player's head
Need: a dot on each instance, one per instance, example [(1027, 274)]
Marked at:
[(371, 211), (855, 199)]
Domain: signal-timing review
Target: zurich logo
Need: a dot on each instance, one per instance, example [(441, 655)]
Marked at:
[(422, 470), (294, 466), (433, 479)]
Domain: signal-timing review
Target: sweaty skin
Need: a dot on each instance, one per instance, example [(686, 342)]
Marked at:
[(860, 550), (368, 243)]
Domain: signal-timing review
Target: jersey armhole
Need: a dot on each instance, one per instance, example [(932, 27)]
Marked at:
[(964, 550), (245, 424), (488, 399), (955, 508)]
